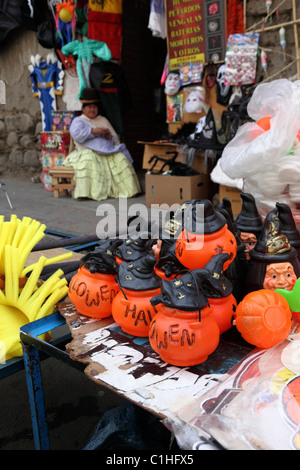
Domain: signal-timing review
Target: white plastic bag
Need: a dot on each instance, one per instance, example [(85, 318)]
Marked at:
[(256, 155), (256, 406)]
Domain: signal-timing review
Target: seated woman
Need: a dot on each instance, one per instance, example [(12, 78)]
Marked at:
[(103, 165)]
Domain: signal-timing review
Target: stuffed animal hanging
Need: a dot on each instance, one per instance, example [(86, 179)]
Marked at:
[(47, 81), (65, 21)]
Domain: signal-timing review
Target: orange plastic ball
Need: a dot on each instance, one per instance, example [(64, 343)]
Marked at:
[(264, 318)]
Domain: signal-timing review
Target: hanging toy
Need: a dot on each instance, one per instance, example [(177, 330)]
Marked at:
[(263, 58), (268, 6), (65, 21), (282, 40), (47, 81)]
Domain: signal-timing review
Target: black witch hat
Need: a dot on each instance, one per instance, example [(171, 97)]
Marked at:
[(288, 225), (226, 204), (168, 261), (203, 218), (139, 274), (102, 259), (134, 248), (249, 219), (271, 247), (237, 269), (189, 292)]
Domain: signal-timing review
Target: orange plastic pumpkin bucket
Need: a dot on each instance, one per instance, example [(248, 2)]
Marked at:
[(223, 310), (263, 318), (195, 250), (180, 338), (135, 312), (92, 293)]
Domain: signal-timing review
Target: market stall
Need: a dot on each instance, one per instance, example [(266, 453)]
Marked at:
[(198, 324)]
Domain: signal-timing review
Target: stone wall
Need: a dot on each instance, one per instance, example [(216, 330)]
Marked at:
[(20, 144), (20, 115)]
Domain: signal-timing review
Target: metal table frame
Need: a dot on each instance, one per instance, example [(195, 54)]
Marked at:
[(35, 350)]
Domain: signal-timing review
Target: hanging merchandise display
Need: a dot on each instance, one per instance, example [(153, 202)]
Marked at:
[(235, 17), (241, 58), (82, 16), (268, 6), (85, 52), (47, 82), (29, 14), (173, 98), (65, 22), (205, 135), (109, 79), (172, 84), (214, 27), (224, 90), (157, 19), (71, 92), (105, 24), (264, 60), (282, 39), (174, 108), (191, 73), (194, 100)]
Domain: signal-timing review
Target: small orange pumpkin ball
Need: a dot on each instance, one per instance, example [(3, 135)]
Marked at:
[(263, 318)]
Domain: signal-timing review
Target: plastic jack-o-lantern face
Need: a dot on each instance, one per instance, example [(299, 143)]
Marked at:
[(280, 276), (249, 240)]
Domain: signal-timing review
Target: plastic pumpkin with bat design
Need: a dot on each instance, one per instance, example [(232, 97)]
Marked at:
[(205, 234)]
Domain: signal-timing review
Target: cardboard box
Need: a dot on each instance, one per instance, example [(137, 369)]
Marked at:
[(169, 189), (161, 150), (234, 194)]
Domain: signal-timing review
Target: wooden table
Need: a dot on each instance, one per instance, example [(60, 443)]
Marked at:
[(122, 363), (129, 366)]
